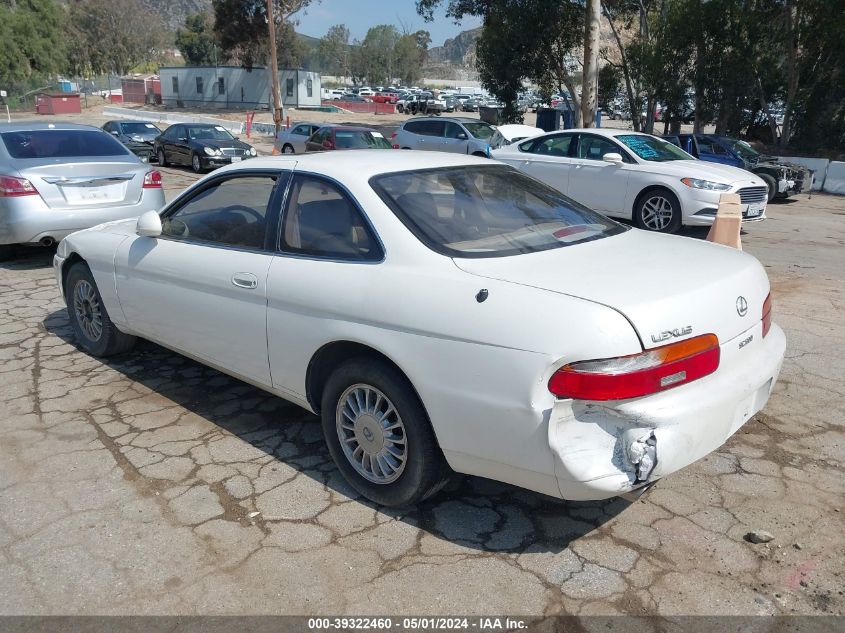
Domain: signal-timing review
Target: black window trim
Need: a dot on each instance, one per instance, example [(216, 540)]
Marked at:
[(281, 250), (409, 224), (277, 197)]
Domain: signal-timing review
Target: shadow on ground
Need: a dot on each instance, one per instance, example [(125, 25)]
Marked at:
[(474, 512)]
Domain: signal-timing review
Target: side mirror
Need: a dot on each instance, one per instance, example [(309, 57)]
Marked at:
[(183, 139), (613, 158), (115, 133), (462, 136), (149, 224)]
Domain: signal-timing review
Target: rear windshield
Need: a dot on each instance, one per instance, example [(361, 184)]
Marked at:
[(360, 140), (488, 211), (61, 144)]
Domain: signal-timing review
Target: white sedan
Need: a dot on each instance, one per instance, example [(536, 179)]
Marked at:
[(636, 177), (441, 313)]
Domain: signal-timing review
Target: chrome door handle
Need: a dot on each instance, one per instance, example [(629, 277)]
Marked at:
[(245, 280)]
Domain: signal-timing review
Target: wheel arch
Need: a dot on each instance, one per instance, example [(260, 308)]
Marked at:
[(331, 355), (70, 261), (652, 187)]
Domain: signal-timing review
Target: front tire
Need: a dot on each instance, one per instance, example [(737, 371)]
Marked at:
[(196, 163), (288, 149), (771, 184), (162, 161), (658, 210), (379, 435), (95, 332)]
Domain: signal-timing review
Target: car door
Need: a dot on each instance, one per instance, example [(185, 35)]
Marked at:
[(454, 139), (548, 159), (713, 152), (431, 135), (173, 144), (200, 287), (595, 183), (321, 277)]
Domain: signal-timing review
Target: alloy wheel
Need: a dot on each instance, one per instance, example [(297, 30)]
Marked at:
[(656, 213), (86, 306), (372, 434), (195, 163)]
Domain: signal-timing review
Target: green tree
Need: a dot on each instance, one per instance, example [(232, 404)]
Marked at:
[(196, 41), (610, 83), (333, 51), (31, 44), (241, 29), (410, 53), (112, 36)]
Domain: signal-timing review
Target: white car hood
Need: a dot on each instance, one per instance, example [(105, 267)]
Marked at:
[(706, 171), (661, 283)]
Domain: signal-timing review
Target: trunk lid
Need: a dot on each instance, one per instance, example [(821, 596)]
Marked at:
[(670, 288), (82, 184)]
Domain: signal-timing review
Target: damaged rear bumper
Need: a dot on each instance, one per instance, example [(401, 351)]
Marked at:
[(606, 449)]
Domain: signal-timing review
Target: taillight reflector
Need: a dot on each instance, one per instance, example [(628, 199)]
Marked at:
[(11, 187), (152, 180), (767, 314), (639, 374)]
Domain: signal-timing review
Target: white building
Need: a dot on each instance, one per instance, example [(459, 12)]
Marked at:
[(235, 87)]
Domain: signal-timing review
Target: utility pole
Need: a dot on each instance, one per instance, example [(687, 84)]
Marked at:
[(589, 83), (274, 69)]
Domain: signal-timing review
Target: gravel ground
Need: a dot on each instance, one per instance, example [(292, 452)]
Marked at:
[(148, 484)]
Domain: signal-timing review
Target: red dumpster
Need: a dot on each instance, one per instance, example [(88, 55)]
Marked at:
[(57, 103)]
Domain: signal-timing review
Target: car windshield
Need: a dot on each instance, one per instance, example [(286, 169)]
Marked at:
[(488, 211), (652, 149), (209, 133), (61, 144), (136, 127), (744, 149), (480, 130)]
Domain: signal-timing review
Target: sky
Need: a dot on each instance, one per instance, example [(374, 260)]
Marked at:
[(360, 15)]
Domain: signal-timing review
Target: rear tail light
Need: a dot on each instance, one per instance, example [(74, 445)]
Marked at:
[(767, 314), (639, 374), (152, 180), (11, 187)]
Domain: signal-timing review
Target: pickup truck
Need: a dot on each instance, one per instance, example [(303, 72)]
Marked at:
[(423, 103), (783, 178)]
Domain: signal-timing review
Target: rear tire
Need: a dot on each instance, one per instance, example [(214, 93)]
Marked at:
[(389, 452), (7, 252), (95, 332), (658, 210), (288, 149), (162, 161), (771, 184)]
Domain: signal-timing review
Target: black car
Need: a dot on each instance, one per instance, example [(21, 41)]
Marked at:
[(201, 145), (137, 136)]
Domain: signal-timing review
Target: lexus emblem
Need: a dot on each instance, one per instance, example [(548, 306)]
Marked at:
[(741, 306)]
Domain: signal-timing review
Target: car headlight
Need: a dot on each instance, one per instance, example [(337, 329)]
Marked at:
[(709, 185), (252, 152), (211, 151)]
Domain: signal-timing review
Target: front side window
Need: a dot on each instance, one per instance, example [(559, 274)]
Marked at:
[(488, 211), (653, 149), (453, 130), (592, 147), (321, 221), (61, 144), (480, 130), (231, 212)]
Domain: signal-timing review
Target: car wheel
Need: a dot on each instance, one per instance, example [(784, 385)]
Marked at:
[(196, 163), (771, 184), (7, 251), (379, 435), (288, 149), (95, 332), (658, 210), (162, 161), (400, 109)]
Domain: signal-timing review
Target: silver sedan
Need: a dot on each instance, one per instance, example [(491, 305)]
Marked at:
[(57, 178), (292, 140)]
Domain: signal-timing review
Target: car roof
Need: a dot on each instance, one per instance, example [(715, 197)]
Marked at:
[(28, 126), (601, 131), (352, 128), (360, 165)]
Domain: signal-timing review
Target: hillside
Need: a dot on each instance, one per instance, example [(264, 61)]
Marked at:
[(174, 12)]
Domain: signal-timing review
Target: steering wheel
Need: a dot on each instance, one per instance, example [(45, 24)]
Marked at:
[(248, 210)]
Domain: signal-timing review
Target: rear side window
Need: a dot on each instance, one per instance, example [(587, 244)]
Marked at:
[(549, 146), (61, 144), (321, 221)]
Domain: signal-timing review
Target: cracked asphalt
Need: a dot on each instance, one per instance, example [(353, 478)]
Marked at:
[(149, 484)]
